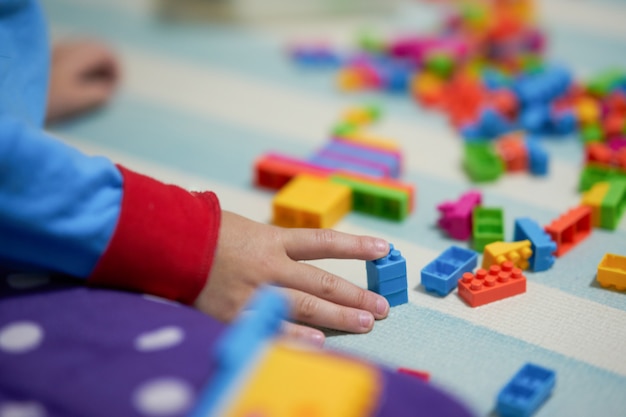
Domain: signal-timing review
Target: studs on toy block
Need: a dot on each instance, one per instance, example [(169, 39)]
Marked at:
[(456, 216), (526, 391), (443, 273), (570, 229), (387, 276), (542, 245), (500, 281), (612, 271), (499, 252)]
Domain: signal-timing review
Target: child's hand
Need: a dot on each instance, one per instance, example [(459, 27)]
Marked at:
[(251, 254), (83, 76)]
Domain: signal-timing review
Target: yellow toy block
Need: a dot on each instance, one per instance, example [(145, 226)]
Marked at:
[(587, 110), (349, 79), (309, 201), (311, 383), (612, 271), (360, 116), (372, 140), (499, 252), (593, 198)]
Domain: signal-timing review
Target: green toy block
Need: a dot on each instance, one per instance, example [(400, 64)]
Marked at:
[(592, 133), (481, 162), (606, 81), (487, 227), (376, 200), (593, 173), (371, 41), (613, 204), (344, 128), (440, 63)]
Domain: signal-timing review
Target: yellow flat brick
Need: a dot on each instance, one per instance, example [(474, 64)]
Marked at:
[(313, 202), (499, 252)]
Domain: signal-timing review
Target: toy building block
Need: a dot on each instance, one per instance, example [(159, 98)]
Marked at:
[(612, 271), (526, 391), (389, 161), (387, 276), (308, 201), (512, 149), (538, 159), (570, 229), (542, 245), (487, 227), (481, 162), (593, 199), (371, 140), (361, 115), (423, 375), (375, 200), (499, 252), (593, 173), (342, 163), (613, 204), (442, 274), (273, 171), (500, 281), (456, 216), (390, 183)]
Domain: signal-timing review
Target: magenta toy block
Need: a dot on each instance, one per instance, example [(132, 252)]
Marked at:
[(456, 216)]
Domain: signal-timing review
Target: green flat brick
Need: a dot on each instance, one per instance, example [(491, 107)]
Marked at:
[(482, 163), (606, 81), (487, 227), (376, 200), (593, 173), (613, 204)]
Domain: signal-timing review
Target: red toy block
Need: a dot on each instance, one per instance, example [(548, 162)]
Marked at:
[(513, 151), (598, 153), (501, 281), (570, 229), (424, 376), (274, 171)]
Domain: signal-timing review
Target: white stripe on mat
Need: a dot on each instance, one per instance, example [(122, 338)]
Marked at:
[(544, 316)]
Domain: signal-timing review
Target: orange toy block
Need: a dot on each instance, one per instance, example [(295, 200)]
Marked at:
[(488, 286), (516, 252), (570, 229)]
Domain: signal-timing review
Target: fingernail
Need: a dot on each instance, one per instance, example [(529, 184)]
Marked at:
[(316, 339), (381, 245), (366, 320), (382, 306)]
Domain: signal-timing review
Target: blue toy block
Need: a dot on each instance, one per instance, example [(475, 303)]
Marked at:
[(387, 276), (542, 87), (563, 122), (537, 157), (541, 243), (397, 298), (240, 344), (346, 150), (526, 391), (492, 124), (338, 163), (443, 273), (535, 119)]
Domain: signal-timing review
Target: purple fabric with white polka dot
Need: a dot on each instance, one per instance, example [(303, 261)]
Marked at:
[(69, 350)]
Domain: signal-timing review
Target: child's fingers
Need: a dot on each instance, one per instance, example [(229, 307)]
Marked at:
[(320, 283), (309, 309), (307, 244), (304, 334)]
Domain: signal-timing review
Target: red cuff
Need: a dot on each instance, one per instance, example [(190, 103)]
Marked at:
[(164, 241)]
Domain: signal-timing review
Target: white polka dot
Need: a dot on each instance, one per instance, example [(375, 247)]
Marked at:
[(158, 339), (26, 281), (163, 396), (20, 337), (22, 409)]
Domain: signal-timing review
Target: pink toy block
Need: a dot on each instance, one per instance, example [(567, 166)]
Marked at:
[(456, 216)]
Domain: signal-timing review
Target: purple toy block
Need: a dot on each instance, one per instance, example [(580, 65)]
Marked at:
[(456, 216)]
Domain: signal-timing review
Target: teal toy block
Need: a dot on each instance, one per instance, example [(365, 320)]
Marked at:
[(487, 227)]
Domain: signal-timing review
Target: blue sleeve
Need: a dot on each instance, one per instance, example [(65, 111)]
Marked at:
[(58, 207)]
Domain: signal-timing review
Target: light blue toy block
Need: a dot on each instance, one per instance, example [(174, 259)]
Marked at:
[(541, 243), (240, 345), (443, 273), (397, 298), (526, 391)]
